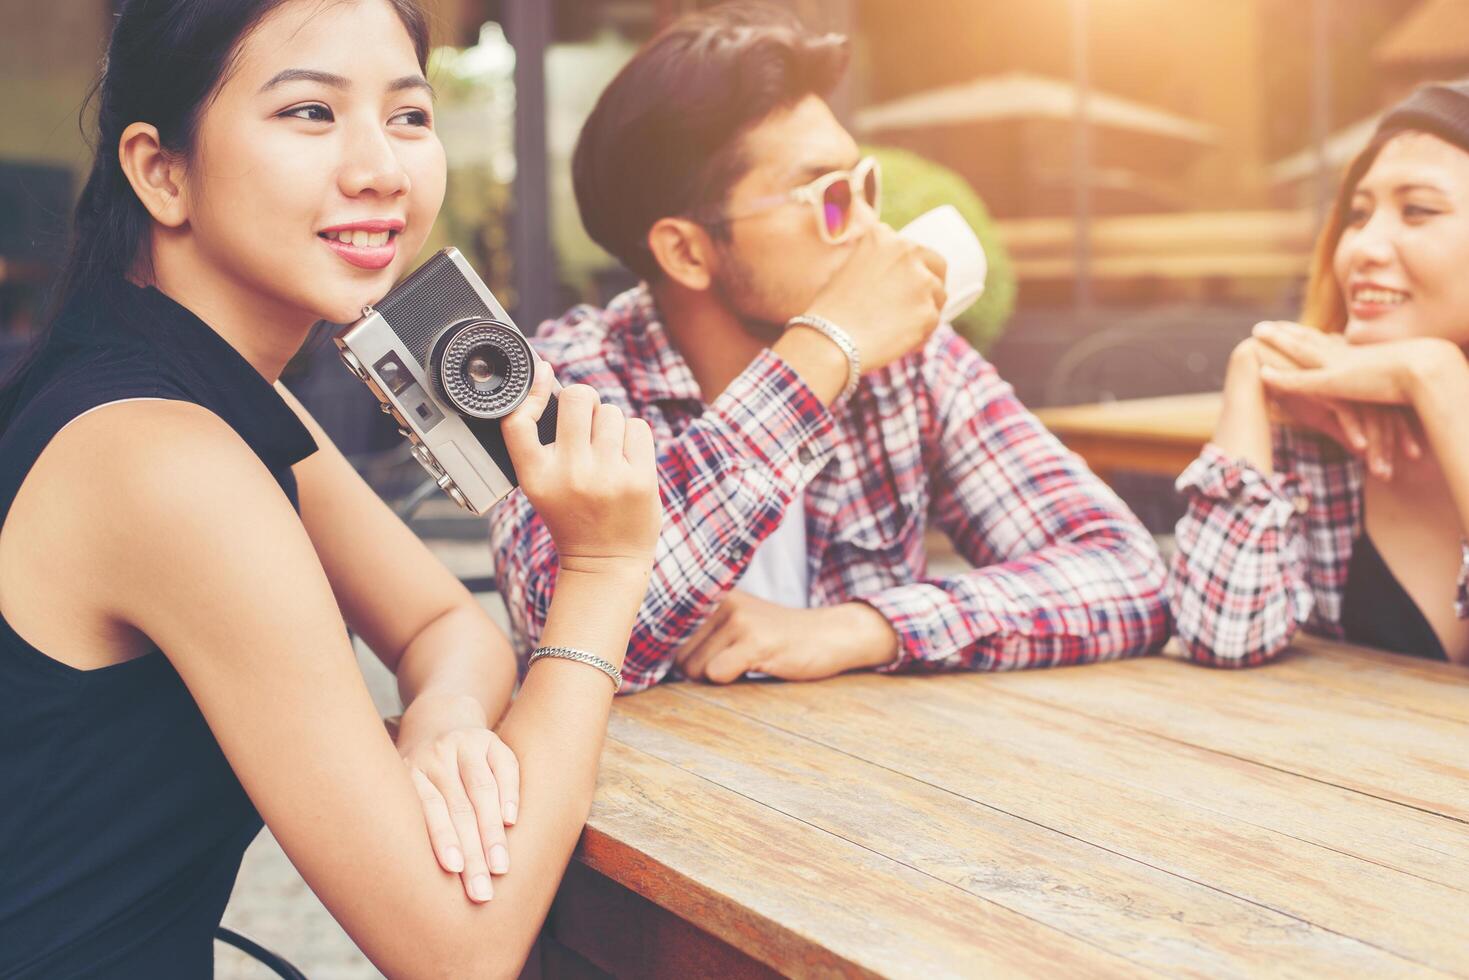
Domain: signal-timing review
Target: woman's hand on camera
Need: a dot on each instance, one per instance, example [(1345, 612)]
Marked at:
[(596, 486), (469, 784)]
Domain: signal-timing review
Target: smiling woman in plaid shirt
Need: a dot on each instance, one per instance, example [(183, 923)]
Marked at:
[(812, 417), (1349, 520)]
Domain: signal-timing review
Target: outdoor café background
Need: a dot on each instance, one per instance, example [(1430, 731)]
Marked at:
[(1192, 142)]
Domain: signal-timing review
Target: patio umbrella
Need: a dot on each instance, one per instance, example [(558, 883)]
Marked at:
[(1023, 96)]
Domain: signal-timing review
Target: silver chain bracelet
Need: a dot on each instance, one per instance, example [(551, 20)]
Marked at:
[(844, 343), (581, 657)]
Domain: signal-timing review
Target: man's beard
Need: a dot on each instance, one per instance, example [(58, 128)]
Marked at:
[(737, 290)]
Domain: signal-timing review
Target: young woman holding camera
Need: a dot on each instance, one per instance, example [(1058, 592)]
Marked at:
[(1349, 520), (182, 550)]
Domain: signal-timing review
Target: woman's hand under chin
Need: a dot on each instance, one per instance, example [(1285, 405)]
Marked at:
[(1388, 373), (1378, 434)]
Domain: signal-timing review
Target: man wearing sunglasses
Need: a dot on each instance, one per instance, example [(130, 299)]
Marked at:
[(812, 415)]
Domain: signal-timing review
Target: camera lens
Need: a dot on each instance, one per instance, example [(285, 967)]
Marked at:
[(482, 367), (487, 369)]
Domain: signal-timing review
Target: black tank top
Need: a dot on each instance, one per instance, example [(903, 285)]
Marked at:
[(122, 825), (1376, 610)]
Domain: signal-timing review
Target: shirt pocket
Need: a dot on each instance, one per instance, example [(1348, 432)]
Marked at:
[(891, 530)]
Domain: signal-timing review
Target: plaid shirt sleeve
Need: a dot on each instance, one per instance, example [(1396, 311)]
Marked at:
[(1064, 572), (726, 482), (1240, 582)]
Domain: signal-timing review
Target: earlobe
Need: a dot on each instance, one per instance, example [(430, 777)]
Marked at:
[(156, 175), (683, 251)]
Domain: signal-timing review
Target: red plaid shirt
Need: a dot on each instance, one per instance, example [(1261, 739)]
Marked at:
[(1261, 557), (1065, 573)]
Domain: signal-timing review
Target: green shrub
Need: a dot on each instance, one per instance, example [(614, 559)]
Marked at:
[(911, 185)]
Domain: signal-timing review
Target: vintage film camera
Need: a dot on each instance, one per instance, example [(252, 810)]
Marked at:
[(447, 362)]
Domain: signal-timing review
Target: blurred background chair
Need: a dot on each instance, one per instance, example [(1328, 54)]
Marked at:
[(277, 964)]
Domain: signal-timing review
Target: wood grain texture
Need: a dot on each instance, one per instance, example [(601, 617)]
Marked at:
[(800, 900), (1377, 747), (1148, 817)]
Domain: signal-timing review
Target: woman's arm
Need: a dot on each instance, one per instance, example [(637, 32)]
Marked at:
[(1243, 429), (205, 555), (394, 593), (1428, 374), (1237, 584), (1437, 380), (454, 667)]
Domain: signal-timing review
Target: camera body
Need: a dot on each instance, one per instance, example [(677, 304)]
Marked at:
[(448, 364)]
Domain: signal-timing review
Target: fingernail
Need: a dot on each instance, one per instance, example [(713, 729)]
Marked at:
[(480, 888), (454, 859), (499, 859), (510, 812)]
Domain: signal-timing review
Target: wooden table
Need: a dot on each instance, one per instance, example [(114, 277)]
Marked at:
[(1139, 435), (1308, 818)]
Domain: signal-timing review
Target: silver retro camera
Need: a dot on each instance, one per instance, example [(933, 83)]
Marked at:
[(448, 364)]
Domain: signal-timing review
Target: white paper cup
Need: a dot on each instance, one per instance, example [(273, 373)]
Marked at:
[(946, 232)]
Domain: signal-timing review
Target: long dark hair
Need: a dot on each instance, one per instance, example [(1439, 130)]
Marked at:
[(164, 63)]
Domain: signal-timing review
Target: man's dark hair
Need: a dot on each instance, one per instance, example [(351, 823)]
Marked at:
[(665, 136)]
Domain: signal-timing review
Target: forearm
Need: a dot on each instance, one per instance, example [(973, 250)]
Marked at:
[(557, 721), (1097, 596), (727, 481), (819, 362), (1238, 588), (863, 639), (459, 669), (556, 729), (1243, 429), (1063, 570), (1439, 388), (1239, 600)]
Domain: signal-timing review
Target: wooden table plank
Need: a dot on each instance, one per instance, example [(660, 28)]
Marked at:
[(1177, 420), (1393, 753), (1384, 678), (1158, 920), (1191, 812), (1022, 735), (1149, 816), (802, 901), (1139, 435)]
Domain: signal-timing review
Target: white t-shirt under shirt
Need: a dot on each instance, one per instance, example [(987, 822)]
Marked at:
[(778, 571)]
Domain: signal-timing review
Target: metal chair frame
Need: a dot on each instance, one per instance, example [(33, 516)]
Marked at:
[(274, 962)]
